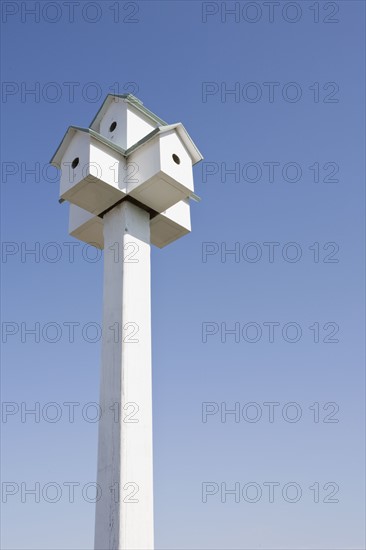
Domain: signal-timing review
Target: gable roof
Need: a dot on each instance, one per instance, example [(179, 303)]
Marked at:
[(178, 127), (182, 133), (69, 134), (131, 100)]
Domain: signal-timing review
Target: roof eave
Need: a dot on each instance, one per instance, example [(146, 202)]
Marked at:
[(69, 134), (191, 146), (183, 134)]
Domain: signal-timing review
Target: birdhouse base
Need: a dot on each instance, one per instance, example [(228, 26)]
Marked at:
[(165, 228), (93, 195), (86, 227), (160, 192)]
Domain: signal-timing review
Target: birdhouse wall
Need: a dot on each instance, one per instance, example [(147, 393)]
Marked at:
[(97, 181), (171, 147), (138, 126), (78, 151), (164, 175), (108, 166), (171, 225), (86, 226), (146, 161), (123, 125)]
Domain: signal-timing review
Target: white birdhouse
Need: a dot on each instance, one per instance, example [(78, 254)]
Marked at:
[(161, 167), (93, 171), (164, 228), (128, 153), (124, 120)]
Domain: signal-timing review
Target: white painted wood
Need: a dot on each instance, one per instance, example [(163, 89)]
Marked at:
[(171, 225), (97, 181), (158, 180), (164, 228), (131, 125), (85, 226), (125, 452), (97, 172)]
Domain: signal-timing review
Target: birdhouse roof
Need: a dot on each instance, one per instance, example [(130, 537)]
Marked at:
[(131, 100), (70, 133), (182, 133), (161, 130)]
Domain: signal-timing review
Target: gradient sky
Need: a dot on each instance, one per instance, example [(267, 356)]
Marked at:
[(181, 59)]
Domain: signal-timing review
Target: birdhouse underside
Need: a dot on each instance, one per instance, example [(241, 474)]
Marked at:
[(164, 228)]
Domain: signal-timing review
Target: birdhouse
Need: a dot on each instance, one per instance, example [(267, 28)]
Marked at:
[(164, 228), (128, 152), (162, 167), (93, 171), (124, 120)]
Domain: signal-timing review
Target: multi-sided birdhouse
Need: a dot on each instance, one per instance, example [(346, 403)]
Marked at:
[(92, 170), (162, 163), (128, 153)]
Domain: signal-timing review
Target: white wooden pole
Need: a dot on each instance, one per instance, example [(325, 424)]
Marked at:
[(124, 512)]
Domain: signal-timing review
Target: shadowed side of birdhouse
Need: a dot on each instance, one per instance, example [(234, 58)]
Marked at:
[(86, 227), (164, 228)]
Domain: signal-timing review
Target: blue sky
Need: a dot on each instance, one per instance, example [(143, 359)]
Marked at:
[(259, 91)]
